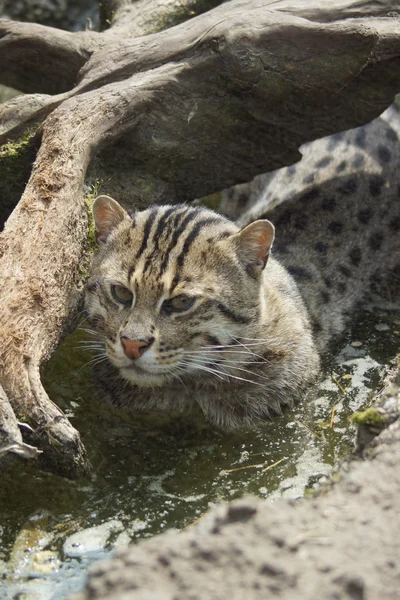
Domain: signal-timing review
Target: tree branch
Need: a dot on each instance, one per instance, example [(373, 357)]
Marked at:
[(38, 294), (336, 10), (142, 17), (35, 58)]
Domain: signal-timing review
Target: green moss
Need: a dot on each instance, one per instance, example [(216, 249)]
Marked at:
[(370, 416), (21, 418), (89, 198), (14, 149), (91, 244), (16, 160)]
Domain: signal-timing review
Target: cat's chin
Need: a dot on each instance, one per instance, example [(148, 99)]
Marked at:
[(143, 378)]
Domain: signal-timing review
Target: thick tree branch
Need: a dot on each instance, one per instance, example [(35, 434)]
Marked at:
[(24, 112), (39, 59), (38, 293), (35, 58), (305, 45), (334, 10), (142, 17)]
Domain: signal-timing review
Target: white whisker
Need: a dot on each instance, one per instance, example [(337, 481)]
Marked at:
[(237, 345), (221, 354), (92, 332), (174, 371), (224, 360), (95, 349), (222, 365), (203, 368), (246, 347), (94, 361), (218, 352), (218, 373), (232, 364)]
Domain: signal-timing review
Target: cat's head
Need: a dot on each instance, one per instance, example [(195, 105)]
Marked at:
[(172, 286)]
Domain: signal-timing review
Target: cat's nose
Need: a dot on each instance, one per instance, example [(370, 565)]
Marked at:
[(135, 348)]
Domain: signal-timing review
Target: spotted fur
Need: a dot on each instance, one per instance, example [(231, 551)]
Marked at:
[(339, 236), (249, 343)]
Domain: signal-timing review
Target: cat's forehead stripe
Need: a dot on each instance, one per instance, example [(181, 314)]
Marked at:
[(146, 231), (177, 232), (192, 235), (164, 229), (164, 221)]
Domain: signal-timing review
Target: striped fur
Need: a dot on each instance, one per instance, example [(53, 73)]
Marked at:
[(240, 352)]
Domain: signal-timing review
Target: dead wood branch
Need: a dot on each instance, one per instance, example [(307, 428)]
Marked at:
[(35, 58), (143, 17)]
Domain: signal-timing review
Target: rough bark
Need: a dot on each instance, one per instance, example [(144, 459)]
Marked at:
[(195, 108), (12, 444), (141, 17)]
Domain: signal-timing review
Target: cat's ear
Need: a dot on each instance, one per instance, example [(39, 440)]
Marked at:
[(253, 245), (107, 214)]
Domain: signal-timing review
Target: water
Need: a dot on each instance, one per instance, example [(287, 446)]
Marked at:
[(151, 474)]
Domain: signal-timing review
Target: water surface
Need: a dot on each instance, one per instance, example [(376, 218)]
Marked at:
[(156, 473)]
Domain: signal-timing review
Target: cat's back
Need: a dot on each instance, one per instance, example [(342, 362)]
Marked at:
[(337, 218)]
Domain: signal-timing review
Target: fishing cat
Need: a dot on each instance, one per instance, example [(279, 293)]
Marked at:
[(192, 309)]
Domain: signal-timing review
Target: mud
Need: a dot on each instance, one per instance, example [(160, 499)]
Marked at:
[(342, 544)]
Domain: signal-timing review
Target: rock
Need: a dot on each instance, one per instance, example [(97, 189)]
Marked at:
[(93, 539)]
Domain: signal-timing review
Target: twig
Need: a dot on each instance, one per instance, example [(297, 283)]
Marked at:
[(275, 464), (308, 429), (332, 416), (341, 388), (241, 468)]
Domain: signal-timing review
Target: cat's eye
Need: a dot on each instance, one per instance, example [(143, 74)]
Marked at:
[(121, 294), (178, 304)]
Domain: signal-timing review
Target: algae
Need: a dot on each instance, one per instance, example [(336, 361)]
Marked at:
[(16, 159), (371, 417), (90, 247)]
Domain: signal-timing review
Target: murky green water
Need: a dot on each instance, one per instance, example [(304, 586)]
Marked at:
[(151, 474)]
